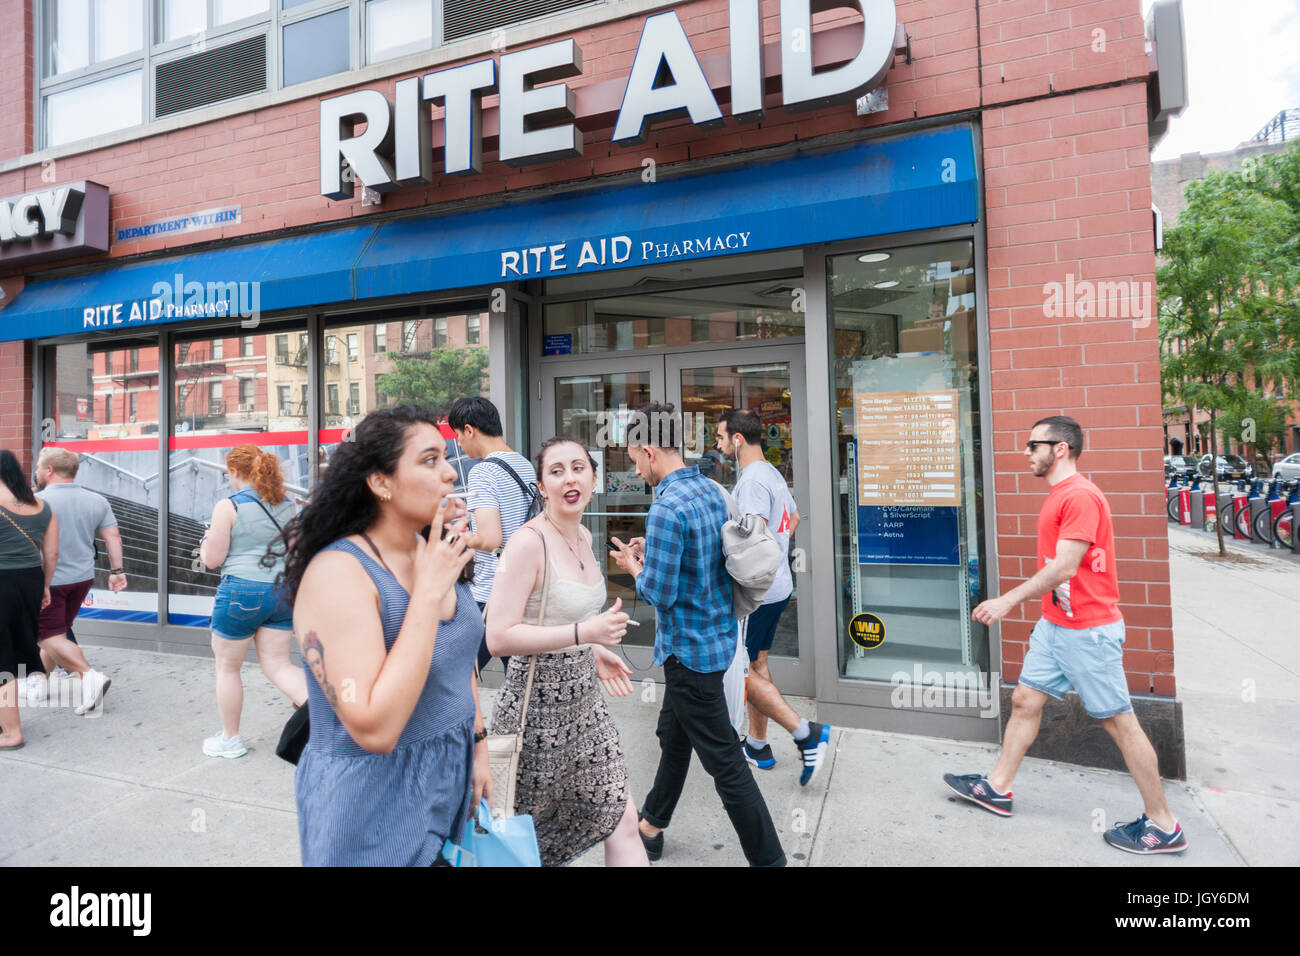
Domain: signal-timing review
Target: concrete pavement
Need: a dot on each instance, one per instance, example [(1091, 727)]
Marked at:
[(132, 787)]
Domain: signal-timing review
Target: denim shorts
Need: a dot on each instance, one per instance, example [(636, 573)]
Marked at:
[(1091, 661), (243, 606)]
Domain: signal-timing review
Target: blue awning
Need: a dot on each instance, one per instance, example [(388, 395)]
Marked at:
[(921, 181)]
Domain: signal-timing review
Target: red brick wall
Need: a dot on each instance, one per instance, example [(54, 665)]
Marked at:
[(16, 399), (1068, 194), (16, 66)]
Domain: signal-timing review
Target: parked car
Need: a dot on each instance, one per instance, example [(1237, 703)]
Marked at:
[(1184, 466), (1229, 467), (1288, 467)]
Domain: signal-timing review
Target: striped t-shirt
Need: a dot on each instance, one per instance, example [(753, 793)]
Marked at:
[(490, 487)]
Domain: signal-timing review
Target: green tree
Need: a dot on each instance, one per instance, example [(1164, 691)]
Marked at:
[(434, 380), (1226, 288)]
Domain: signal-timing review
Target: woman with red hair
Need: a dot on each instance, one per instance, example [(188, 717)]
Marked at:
[(248, 607)]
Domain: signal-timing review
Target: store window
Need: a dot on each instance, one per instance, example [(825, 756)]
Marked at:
[(108, 415), (908, 458), (731, 313), (397, 28), (220, 403), (316, 47), (109, 104), (79, 34), (416, 375)]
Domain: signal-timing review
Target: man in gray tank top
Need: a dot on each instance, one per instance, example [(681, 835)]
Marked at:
[(82, 514)]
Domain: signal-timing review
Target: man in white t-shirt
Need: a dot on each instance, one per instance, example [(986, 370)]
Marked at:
[(761, 490), (500, 489)]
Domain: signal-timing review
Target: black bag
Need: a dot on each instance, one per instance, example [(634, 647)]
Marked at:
[(535, 501), (294, 736)]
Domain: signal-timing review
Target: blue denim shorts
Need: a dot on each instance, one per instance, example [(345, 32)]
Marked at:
[(1091, 661), (243, 606)]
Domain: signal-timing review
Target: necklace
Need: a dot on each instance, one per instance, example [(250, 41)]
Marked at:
[(581, 564)]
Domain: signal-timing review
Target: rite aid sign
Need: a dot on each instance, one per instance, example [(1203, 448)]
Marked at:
[(666, 81), (54, 223)]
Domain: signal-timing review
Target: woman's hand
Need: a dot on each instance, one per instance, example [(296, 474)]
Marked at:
[(439, 561), (613, 672), (482, 777), (608, 628), (45, 598)]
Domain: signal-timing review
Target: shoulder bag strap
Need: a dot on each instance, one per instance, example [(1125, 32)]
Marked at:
[(40, 552), (528, 493), (541, 616), (271, 516)]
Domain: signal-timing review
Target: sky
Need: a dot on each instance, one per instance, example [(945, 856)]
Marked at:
[(1243, 69)]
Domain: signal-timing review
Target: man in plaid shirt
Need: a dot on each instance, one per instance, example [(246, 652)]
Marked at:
[(680, 569)]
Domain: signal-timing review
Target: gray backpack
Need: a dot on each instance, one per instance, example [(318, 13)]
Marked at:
[(753, 557)]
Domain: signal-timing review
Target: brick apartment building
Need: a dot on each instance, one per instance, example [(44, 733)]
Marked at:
[(900, 231)]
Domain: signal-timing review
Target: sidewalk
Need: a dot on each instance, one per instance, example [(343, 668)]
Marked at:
[(132, 787)]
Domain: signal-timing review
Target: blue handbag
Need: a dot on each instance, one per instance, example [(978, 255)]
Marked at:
[(508, 841)]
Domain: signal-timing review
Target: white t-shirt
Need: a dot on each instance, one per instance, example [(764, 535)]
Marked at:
[(762, 491), (490, 487)]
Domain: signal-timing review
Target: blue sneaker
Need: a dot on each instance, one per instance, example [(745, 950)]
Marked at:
[(1143, 836), (762, 757), (812, 750), (976, 788)]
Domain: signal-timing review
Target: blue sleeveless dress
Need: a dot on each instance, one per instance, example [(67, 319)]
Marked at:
[(356, 808)]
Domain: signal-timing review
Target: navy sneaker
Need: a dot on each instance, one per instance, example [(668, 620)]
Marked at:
[(812, 751), (976, 788), (761, 757), (1143, 836)]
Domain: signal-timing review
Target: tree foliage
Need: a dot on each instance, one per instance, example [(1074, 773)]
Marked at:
[(1229, 317), (434, 380)]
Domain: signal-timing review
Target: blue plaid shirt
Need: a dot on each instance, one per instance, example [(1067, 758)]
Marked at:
[(685, 577)]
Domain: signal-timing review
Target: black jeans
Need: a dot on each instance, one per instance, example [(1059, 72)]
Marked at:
[(484, 655), (694, 717)]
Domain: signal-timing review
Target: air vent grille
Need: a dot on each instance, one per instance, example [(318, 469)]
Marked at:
[(235, 69), (462, 18)]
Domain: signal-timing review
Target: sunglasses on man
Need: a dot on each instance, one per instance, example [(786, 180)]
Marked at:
[(1033, 443)]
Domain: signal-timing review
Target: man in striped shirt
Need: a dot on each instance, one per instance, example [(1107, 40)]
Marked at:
[(680, 570), (499, 492)]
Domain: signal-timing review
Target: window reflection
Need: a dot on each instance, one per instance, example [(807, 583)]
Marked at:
[(105, 409), (908, 459)]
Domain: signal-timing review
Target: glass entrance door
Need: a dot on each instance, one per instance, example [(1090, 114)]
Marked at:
[(590, 401), (768, 381)]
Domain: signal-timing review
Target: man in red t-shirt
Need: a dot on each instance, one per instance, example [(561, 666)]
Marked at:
[(1077, 644)]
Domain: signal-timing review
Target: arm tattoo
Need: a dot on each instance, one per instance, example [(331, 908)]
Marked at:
[(313, 652)]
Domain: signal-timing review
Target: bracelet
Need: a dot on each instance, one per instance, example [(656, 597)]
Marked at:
[(575, 635), (480, 736), (116, 571)]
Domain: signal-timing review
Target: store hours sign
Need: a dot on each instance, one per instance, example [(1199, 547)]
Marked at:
[(537, 123)]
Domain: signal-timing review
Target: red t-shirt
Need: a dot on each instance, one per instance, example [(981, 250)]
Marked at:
[(1076, 509)]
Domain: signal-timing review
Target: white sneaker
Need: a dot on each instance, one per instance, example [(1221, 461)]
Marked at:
[(36, 688), (223, 746), (94, 686)]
